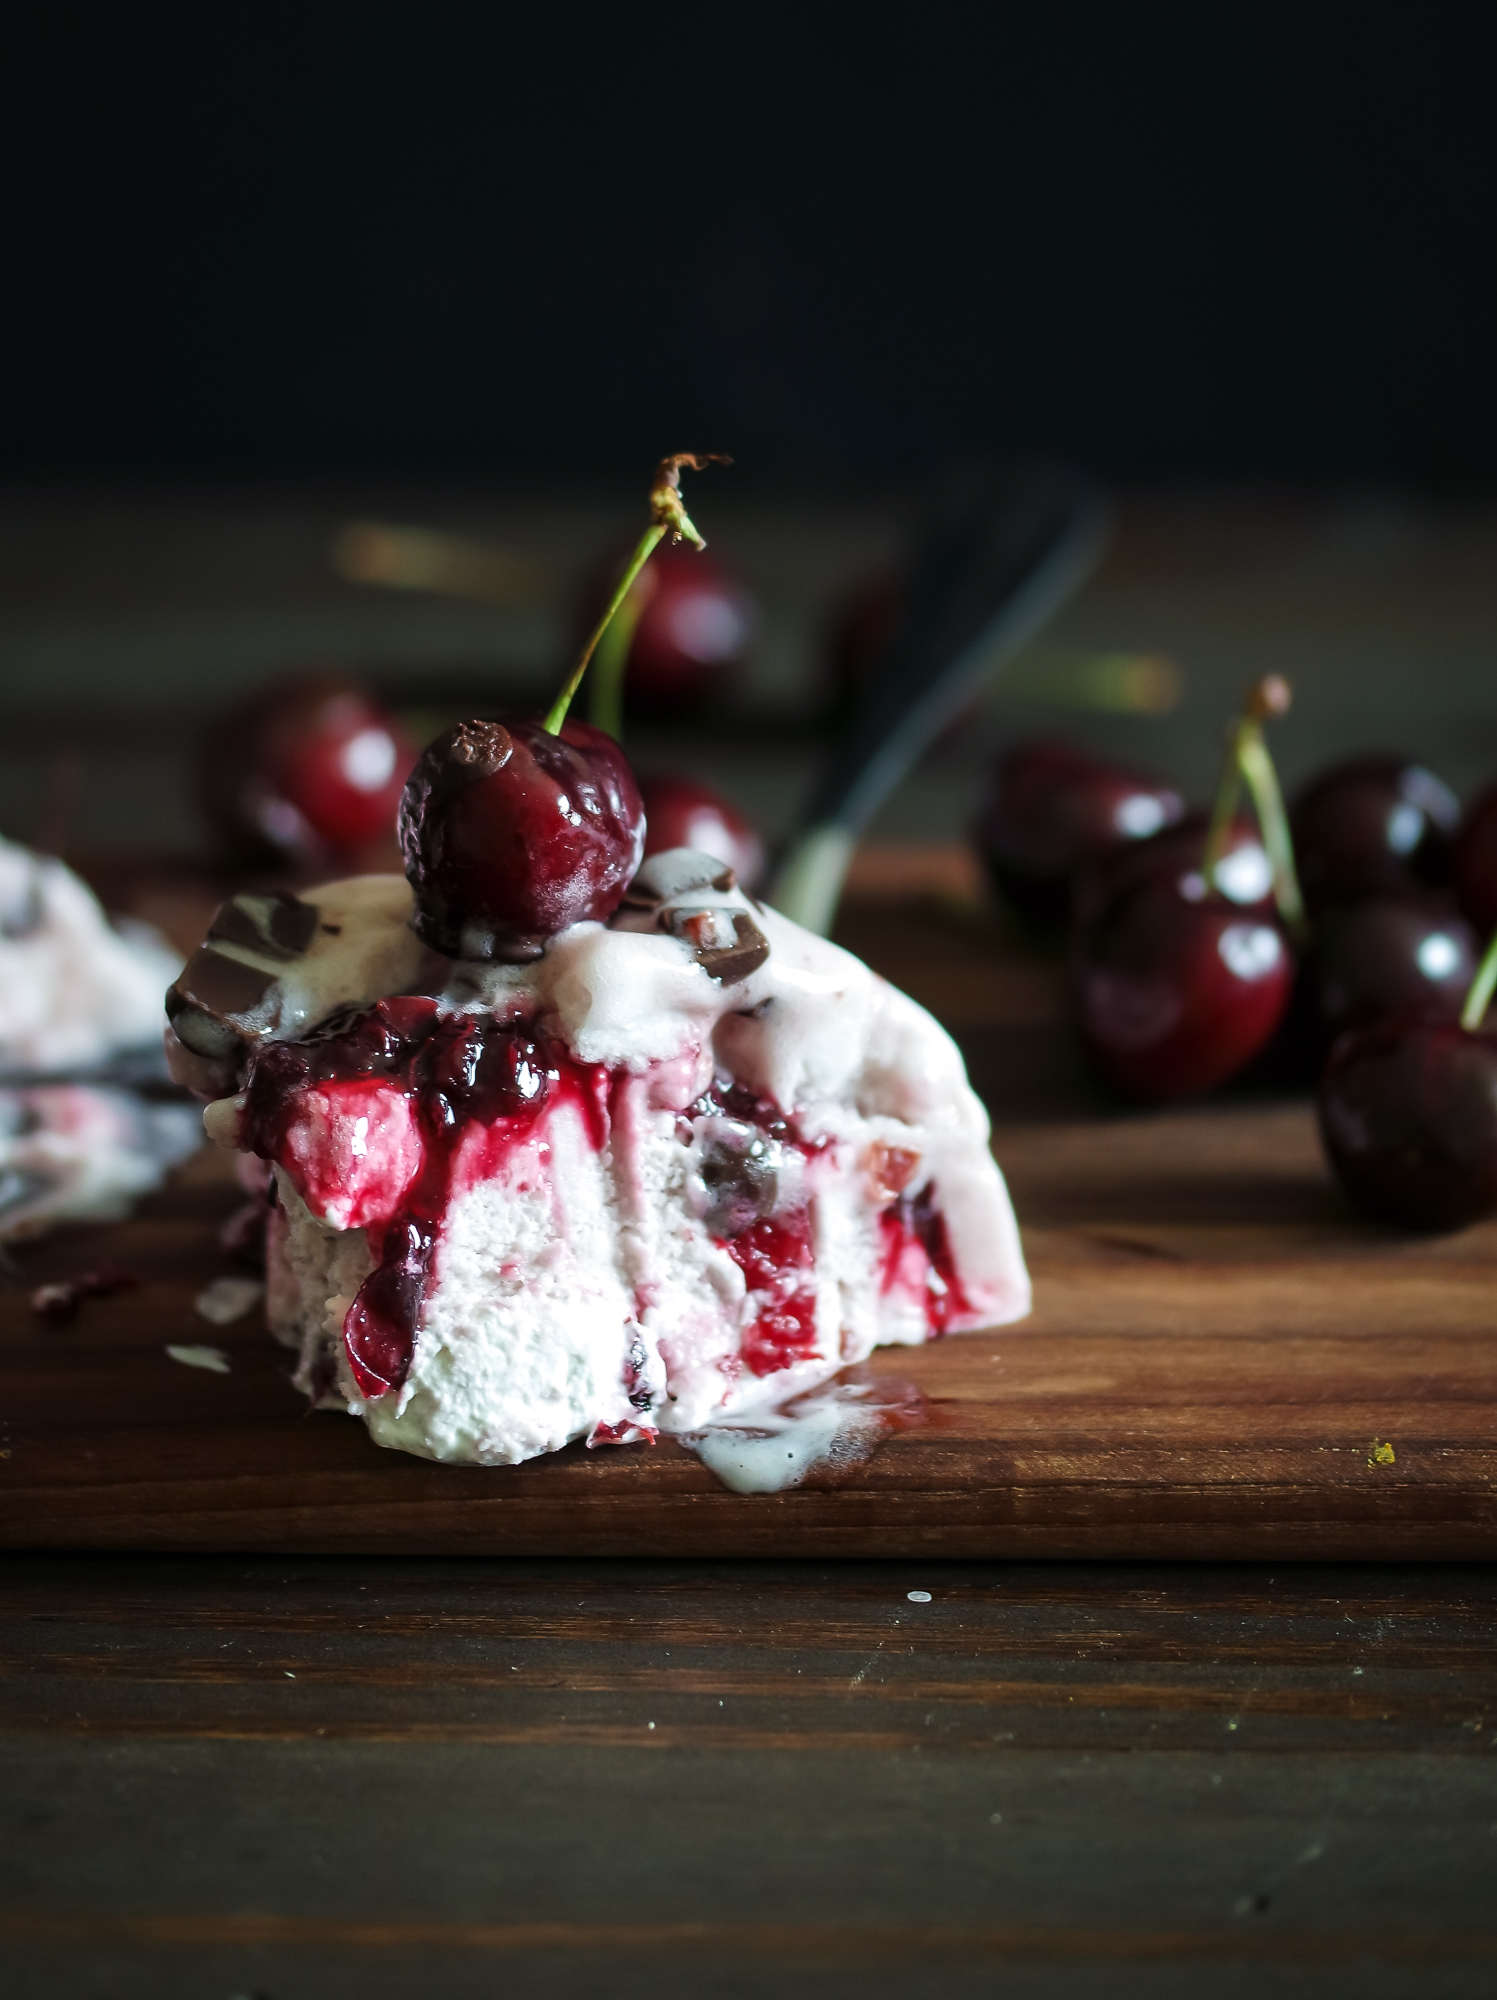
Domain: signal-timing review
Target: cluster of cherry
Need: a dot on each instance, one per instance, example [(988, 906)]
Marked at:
[(1338, 943)]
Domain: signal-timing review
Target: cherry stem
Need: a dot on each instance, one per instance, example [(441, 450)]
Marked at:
[(1248, 763), (1479, 998), (605, 708), (668, 516), (647, 544)]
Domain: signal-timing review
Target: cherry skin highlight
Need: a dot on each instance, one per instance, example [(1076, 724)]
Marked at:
[(311, 768), (1050, 808), (693, 632), (1408, 1115), (511, 835), (1387, 955), (1176, 989), (1244, 874), (679, 812), (1373, 826)]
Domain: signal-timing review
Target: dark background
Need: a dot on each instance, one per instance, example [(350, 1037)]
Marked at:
[(1229, 242)]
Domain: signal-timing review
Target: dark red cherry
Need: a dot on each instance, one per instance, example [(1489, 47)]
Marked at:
[(510, 835), (681, 813), (1373, 826), (1476, 862), (693, 631), (1408, 1114), (1050, 807), (311, 767), (1244, 874), (1388, 955), (1176, 989)]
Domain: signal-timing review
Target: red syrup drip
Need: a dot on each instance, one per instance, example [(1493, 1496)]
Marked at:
[(456, 1072), (915, 1224)]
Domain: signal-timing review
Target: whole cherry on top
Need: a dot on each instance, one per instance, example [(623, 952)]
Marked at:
[(1183, 976), (513, 831), (1050, 808), (310, 769), (1408, 1114)]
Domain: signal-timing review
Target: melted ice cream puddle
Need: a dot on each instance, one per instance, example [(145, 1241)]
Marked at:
[(830, 1430)]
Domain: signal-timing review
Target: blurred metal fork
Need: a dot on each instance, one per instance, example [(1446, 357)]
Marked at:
[(1007, 547)]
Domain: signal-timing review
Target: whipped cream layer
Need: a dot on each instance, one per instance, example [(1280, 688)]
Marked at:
[(678, 1168)]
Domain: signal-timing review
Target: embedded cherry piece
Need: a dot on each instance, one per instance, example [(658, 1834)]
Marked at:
[(311, 768), (511, 835), (1373, 826), (1050, 807), (1408, 1114), (1476, 862), (1177, 988), (915, 1225), (679, 812)]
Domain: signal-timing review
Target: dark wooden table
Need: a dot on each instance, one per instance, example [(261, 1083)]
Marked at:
[(369, 1775), (365, 1777)]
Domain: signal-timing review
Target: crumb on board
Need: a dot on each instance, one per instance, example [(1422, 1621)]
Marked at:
[(212, 1358), (228, 1299), (1381, 1453)]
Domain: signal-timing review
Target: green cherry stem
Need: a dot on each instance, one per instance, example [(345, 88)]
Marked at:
[(605, 708), (1248, 763), (668, 516), (647, 543), (1479, 998)]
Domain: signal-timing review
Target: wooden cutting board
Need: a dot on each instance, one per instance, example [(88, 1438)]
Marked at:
[(1222, 1362)]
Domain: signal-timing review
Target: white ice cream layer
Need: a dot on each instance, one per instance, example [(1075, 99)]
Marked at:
[(583, 1286)]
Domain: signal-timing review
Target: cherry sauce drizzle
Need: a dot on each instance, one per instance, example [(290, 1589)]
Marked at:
[(455, 1071)]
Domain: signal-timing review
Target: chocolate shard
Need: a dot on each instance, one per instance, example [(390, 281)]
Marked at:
[(204, 1034), (209, 988), (704, 929), (729, 964), (221, 985), (278, 925), (678, 871)]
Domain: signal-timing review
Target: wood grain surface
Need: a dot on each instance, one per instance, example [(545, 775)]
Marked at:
[(308, 1779), (1219, 1360)]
